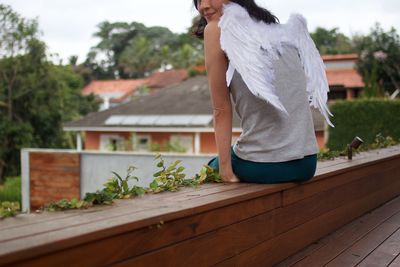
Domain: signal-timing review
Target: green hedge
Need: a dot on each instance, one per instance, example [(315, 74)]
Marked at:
[(11, 190), (364, 118)]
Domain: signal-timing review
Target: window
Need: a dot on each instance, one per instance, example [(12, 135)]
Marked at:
[(111, 142), (181, 143), (141, 142)]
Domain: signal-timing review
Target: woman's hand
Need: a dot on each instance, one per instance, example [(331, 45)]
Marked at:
[(229, 177)]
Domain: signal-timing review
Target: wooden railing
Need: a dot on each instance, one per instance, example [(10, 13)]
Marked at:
[(216, 224)]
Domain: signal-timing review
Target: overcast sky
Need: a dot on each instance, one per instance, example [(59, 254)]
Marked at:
[(67, 26)]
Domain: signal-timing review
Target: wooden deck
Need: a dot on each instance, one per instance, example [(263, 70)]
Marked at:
[(216, 224), (371, 240)]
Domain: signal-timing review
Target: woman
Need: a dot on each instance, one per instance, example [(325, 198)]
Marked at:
[(273, 73)]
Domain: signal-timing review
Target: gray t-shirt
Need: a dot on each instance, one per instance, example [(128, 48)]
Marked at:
[(268, 134)]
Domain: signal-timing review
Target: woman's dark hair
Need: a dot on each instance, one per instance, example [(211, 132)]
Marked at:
[(256, 12)]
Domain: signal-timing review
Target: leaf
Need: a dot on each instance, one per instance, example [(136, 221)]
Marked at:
[(80, 204), (170, 168), (157, 174), (160, 164), (177, 162), (118, 176), (125, 186), (154, 185), (180, 169), (139, 191)]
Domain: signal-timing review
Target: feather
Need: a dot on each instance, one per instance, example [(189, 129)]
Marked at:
[(314, 67), (253, 46), (245, 52)]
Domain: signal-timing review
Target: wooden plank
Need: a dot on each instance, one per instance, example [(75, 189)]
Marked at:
[(291, 216), (363, 247), (210, 248), (131, 244), (26, 219), (54, 161), (170, 210), (385, 253), (306, 190), (99, 225), (361, 161), (359, 158), (52, 175), (121, 208), (332, 245), (395, 262), (275, 250), (36, 218)]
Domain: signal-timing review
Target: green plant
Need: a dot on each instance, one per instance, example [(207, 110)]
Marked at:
[(11, 190), (65, 204), (115, 188), (175, 146), (168, 178), (206, 175), (327, 154), (380, 141), (119, 186), (365, 118), (171, 146), (9, 209)]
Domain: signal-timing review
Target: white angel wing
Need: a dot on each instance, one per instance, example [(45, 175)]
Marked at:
[(314, 68), (246, 49)]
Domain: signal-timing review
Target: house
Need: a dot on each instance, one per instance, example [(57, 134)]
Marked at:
[(116, 92), (344, 80), (177, 118)]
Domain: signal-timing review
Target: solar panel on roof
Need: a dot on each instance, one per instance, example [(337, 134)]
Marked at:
[(131, 120), (202, 119), (163, 121), (115, 120), (147, 120), (181, 120), (159, 120)]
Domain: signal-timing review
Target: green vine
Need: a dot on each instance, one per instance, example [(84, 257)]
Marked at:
[(379, 142), (168, 178), (9, 209)]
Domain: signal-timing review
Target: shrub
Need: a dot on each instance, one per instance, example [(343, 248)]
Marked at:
[(11, 190), (365, 118)]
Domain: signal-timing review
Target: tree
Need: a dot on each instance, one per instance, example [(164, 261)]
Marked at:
[(332, 42), (378, 64), (132, 50), (185, 57), (36, 96), (139, 59)]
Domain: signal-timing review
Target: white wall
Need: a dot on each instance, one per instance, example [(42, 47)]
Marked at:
[(96, 168)]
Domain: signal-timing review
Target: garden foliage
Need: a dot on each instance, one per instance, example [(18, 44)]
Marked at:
[(366, 118)]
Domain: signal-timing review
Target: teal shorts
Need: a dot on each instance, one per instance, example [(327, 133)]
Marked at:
[(298, 170)]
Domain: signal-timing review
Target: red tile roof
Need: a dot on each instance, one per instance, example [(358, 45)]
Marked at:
[(328, 58), (167, 78), (125, 88), (344, 77), (113, 86)]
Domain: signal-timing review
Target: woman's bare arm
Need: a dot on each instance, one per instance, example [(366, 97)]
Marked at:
[(216, 65)]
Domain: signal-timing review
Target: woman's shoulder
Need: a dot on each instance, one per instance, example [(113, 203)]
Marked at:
[(212, 28), (212, 32)]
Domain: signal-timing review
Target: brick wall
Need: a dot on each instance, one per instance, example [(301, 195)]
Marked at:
[(52, 175), (92, 140)]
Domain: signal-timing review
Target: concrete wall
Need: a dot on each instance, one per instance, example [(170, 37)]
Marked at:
[(94, 169)]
